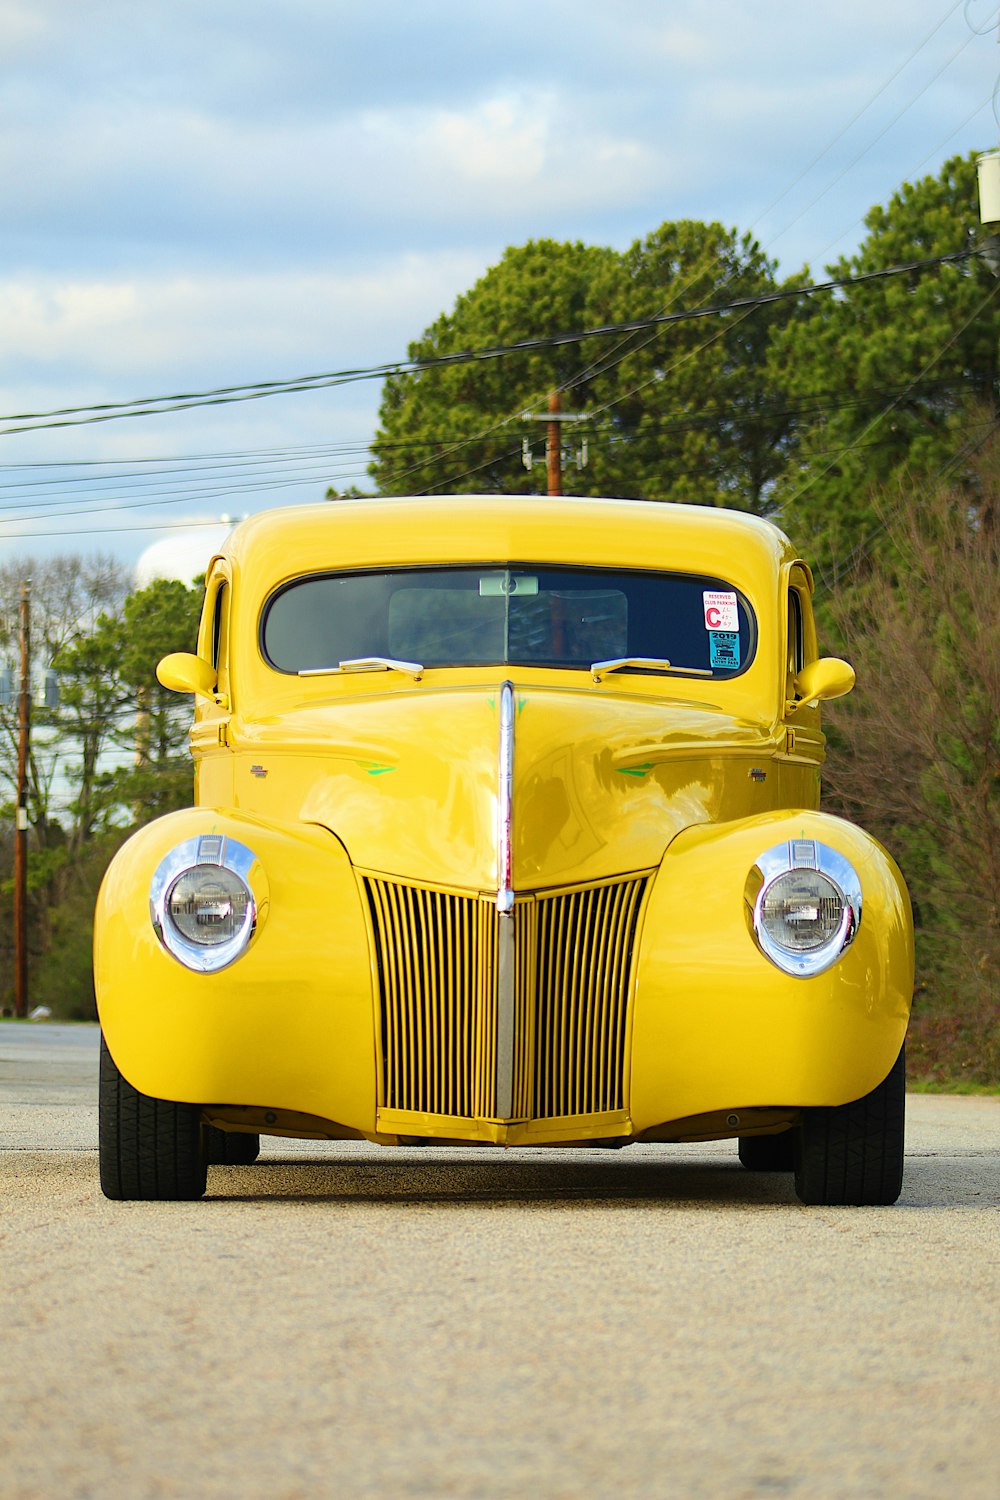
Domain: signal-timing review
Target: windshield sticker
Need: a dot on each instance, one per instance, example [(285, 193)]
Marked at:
[(724, 650), (720, 609)]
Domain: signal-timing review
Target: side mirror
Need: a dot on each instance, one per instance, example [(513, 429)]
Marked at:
[(829, 677), (183, 672)]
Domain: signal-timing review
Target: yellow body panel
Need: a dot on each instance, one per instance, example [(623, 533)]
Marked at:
[(289, 1026), (372, 803), (716, 1026), (406, 778)]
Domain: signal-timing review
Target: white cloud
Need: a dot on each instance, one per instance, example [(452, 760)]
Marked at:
[(179, 176), (501, 142), (199, 195), (504, 158), (22, 29), (227, 327)]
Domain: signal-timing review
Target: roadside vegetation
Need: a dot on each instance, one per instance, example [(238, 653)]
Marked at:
[(914, 751), (863, 420), (110, 755)]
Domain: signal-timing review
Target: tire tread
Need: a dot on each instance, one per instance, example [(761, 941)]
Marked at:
[(853, 1153), (150, 1149), (768, 1153)]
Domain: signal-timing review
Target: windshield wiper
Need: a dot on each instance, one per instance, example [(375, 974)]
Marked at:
[(599, 669), (412, 669)]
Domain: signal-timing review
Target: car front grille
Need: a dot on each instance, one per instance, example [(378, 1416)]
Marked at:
[(437, 957)]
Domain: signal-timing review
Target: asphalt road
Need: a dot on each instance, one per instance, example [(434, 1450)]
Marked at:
[(341, 1320)]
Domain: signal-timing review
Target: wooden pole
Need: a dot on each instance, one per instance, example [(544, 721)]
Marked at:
[(553, 445), (21, 831)]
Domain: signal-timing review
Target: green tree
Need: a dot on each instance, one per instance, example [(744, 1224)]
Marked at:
[(458, 427), (685, 412), (692, 412), (112, 754), (889, 367), (157, 620), (915, 750), (113, 709), (68, 595)]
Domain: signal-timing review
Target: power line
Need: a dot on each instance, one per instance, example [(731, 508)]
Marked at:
[(144, 406), (208, 483), (931, 155), (881, 415), (610, 361), (855, 118), (969, 449), (884, 131)]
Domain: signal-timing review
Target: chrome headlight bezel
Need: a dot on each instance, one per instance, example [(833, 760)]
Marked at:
[(206, 851), (805, 854)]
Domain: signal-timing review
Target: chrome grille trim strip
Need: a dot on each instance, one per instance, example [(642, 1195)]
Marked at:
[(506, 1002), (506, 976), (505, 799)]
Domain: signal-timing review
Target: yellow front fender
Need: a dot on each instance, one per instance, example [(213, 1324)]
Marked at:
[(288, 1025), (717, 1026)]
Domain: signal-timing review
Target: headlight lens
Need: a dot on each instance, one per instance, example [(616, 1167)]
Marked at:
[(806, 904), (206, 900), (208, 905), (802, 910)]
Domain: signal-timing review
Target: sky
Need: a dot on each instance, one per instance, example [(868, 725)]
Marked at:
[(203, 193)]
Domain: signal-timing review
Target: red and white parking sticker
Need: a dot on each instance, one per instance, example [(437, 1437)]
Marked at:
[(720, 610)]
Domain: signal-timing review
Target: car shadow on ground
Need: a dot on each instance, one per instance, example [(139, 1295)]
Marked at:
[(409, 1177), (687, 1178), (412, 1177)]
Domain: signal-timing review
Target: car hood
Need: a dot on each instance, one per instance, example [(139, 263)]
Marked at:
[(408, 781)]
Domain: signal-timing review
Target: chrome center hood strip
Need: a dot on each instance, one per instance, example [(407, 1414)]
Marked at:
[(506, 966), (505, 793)]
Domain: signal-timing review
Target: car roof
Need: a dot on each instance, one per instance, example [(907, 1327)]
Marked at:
[(406, 531)]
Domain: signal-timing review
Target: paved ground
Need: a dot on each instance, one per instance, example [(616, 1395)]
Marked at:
[(346, 1321)]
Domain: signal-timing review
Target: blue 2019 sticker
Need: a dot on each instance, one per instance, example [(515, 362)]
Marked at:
[(724, 650)]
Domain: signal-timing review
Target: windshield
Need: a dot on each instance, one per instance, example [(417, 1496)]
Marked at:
[(526, 616)]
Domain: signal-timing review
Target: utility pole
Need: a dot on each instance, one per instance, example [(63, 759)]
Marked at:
[(553, 445), (553, 419), (21, 831)]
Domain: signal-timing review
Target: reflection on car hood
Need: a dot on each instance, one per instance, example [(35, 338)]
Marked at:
[(602, 780)]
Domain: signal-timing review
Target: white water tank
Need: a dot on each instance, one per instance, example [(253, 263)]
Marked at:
[(989, 187)]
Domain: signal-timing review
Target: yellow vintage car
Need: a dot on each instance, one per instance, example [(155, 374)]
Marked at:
[(506, 832)]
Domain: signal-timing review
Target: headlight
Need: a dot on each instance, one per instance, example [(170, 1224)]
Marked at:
[(202, 903), (806, 905), (208, 905)]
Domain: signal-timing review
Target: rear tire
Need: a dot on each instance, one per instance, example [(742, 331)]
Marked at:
[(768, 1153), (230, 1148), (150, 1149), (853, 1154)]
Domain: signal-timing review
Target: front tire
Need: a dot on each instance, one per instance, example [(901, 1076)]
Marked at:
[(768, 1153), (230, 1148), (150, 1149), (853, 1153)]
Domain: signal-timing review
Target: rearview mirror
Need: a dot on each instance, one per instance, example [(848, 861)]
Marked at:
[(828, 677), (183, 672)]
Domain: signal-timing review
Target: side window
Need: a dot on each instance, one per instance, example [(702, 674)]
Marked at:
[(213, 635), (219, 619), (796, 644), (802, 648)]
